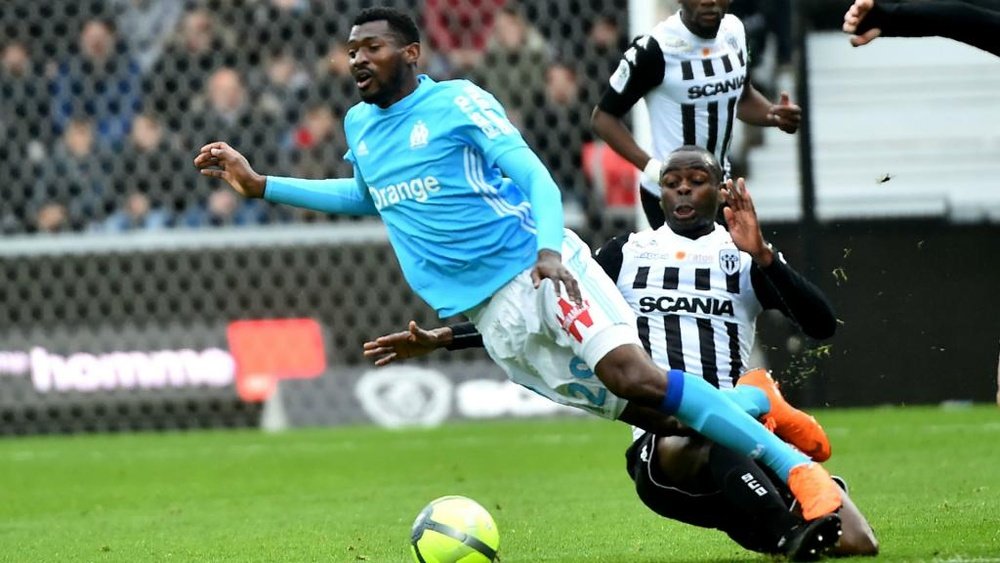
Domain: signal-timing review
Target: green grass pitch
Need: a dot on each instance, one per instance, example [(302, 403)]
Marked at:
[(927, 478)]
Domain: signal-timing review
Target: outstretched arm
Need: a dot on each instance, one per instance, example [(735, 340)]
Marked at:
[(415, 342), (339, 195), (975, 22)]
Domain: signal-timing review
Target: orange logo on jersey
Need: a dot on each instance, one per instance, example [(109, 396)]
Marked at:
[(572, 314), (706, 51), (681, 254)]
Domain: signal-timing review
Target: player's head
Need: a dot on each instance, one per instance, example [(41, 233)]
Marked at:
[(690, 185), (703, 17), (383, 49)]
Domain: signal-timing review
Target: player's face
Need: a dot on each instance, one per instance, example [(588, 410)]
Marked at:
[(703, 17), (382, 68), (689, 194)]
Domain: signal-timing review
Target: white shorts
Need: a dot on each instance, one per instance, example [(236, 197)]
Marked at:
[(548, 344)]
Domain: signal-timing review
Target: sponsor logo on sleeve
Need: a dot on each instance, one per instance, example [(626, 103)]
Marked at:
[(619, 80)]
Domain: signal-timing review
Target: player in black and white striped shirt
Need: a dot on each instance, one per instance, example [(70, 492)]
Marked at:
[(697, 290), (692, 71)]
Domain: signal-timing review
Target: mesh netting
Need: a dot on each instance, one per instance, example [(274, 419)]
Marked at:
[(104, 103)]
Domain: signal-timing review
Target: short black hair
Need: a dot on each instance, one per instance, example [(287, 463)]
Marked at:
[(713, 163), (399, 22)]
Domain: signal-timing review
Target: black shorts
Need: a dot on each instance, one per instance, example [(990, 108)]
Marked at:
[(703, 509)]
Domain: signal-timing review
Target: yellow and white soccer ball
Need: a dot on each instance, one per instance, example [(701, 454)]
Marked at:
[(454, 529)]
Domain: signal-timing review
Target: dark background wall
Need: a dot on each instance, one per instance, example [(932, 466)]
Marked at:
[(919, 311)]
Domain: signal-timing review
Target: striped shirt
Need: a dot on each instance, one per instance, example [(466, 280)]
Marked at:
[(691, 86), (694, 301)]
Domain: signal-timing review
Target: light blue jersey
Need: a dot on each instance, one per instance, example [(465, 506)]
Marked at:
[(430, 165), (460, 230)]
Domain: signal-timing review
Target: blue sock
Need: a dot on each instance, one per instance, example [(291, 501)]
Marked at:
[(714, 415), (752, 400)]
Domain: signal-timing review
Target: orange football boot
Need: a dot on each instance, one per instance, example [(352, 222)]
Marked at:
[(815, 490), (789, 423)]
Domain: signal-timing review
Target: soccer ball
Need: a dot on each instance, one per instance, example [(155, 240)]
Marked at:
[(454, 529)]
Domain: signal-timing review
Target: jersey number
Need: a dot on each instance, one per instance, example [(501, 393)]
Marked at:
[(581, 370)]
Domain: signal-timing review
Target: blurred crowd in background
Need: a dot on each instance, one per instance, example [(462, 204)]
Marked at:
[(103, 103)]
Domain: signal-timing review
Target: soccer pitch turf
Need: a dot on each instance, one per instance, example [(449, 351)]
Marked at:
[(927, 478)]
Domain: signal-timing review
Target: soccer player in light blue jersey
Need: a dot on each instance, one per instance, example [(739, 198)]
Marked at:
[(476, 223)]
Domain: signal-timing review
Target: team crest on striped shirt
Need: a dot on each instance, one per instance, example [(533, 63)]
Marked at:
[(729, 260), (734, 43)]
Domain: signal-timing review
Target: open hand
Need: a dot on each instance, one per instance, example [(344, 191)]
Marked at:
[(219, 160), (852, 20), (741, 217), (411, 343)]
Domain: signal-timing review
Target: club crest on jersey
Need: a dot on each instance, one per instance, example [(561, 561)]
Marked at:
[(573, 314), (729, 260), (733, 43), (419, 136), (362, 149)]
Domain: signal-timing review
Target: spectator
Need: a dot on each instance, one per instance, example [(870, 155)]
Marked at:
[(75, 176), (285, 88), (51, 218), (146, 25), (189, 58), (273, 22), (226, 112), (150, 166), (16, 188), (602, 50), (459, 30), (317, 145), (24, 96), (102, 81), (223, 208), (138, 214), (514, 65), (555, 128)]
